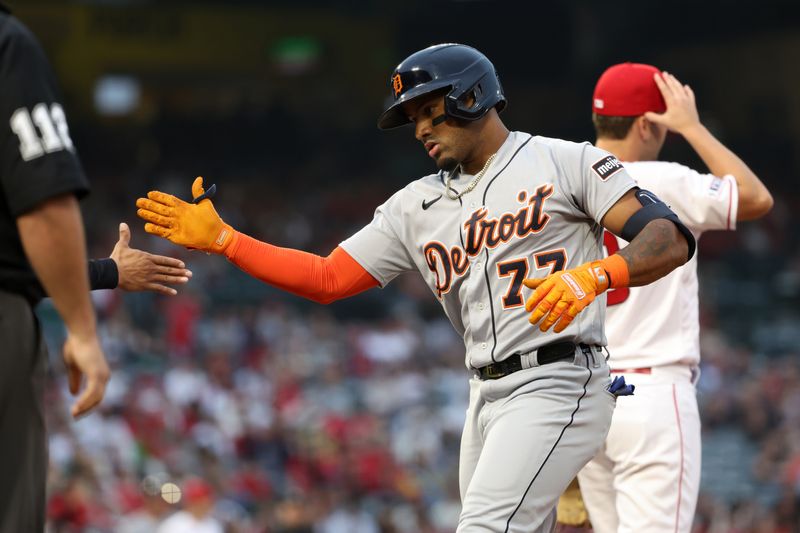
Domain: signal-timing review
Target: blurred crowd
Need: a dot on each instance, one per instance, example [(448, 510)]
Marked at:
[(297, 421), (750, 410)]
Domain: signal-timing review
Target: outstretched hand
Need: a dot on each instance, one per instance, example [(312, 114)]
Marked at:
[(681, 113), (142, 271), (196, 226)]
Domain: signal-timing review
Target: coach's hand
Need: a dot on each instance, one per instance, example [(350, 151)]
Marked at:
[(84, 356), (564, 294), (192, 225), (142, 271)]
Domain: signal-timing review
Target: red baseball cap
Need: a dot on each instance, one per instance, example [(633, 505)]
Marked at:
[(196, 489), (628, 90)]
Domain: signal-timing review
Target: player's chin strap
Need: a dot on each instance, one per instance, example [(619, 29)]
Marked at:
[(438, 120)]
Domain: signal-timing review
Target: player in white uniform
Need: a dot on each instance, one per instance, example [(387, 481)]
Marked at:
[(505, 206), (646, 477)]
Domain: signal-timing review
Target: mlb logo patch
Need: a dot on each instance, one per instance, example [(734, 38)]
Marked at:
[(607, 167), (714, 188)]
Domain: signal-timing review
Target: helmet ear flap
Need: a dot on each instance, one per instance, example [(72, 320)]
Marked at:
[(469, 104), (477, 92), (470, 99)]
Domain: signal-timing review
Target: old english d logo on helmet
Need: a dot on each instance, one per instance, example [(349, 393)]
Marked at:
[(397, 84), (458, 71)]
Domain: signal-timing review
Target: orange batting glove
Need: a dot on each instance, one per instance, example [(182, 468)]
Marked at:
[(194, 225), (565, 294)]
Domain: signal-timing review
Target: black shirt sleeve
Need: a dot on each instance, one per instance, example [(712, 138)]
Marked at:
[(103, 274), (37, 158)]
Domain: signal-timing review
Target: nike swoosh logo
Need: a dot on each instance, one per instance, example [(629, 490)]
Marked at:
[(426, 204)]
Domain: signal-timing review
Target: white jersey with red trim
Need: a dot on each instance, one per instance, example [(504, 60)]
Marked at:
[(658, 324)]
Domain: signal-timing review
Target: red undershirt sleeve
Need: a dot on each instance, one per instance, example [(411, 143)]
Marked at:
[(322, 279)]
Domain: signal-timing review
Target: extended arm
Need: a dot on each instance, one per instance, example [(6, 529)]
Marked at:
[(322, 279), (198, 226), (52, 236), (681, 117), (136, 270)]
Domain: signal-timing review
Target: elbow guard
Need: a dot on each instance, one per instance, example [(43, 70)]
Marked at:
[(652, 209)]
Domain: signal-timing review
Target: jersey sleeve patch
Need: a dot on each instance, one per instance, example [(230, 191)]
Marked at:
[(607, 167), (714, 187)]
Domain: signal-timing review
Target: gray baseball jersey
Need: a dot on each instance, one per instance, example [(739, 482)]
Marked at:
[(536, 210)]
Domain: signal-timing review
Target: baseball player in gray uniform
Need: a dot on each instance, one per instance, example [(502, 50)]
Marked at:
[(506, 211)]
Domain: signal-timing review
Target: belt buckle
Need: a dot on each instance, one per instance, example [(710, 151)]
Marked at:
[(491, 371)]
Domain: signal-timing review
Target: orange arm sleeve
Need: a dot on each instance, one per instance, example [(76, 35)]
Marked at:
[(322, 279)]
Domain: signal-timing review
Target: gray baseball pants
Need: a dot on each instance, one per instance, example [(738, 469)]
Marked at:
[(526, 437)]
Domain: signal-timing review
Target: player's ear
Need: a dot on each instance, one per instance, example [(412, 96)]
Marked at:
[(643, 128)]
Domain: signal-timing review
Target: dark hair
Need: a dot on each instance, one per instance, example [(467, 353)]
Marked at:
[(612, 127)]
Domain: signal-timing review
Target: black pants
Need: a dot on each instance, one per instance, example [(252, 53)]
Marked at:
[(23, 445)]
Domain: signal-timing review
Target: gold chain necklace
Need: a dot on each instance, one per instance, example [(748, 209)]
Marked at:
[(472, 183)]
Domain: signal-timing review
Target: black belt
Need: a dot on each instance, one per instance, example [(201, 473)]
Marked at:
[(549, 353)]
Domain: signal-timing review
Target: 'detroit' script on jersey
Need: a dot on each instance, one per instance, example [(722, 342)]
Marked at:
[(536, 210)]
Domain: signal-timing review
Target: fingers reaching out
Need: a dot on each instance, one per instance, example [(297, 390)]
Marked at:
[(154, 206), (156, 211), (141, 271), (163, 198), (175, 264), (195, 225), (154, 229)]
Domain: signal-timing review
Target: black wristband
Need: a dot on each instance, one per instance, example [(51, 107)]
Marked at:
[(103, 274)]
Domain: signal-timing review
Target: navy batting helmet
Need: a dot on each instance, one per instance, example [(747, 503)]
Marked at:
[(460, 68)]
